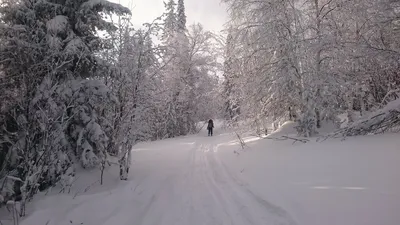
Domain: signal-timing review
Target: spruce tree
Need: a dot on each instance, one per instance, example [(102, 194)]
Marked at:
[(169, 21), (181, 23), (49, 57)]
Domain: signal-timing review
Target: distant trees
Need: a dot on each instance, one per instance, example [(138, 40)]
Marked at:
[(190, 77)]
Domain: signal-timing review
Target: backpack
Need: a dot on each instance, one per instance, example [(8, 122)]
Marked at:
[(210, 124)]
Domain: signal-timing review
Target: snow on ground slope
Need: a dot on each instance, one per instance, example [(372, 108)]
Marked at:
[(354, 182), (199, 180), (288, 128)]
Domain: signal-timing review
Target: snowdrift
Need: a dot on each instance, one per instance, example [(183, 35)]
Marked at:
[(288, 128)]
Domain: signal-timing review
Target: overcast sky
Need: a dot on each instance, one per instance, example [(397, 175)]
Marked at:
[(210, 13)]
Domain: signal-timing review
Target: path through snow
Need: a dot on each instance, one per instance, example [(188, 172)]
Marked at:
[(176, 182), (198, 180)]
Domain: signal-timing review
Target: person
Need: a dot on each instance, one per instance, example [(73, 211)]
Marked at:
[(210, 127)]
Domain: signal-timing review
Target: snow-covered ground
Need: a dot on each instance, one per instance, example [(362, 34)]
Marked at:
[(200, 180), (355, 182)]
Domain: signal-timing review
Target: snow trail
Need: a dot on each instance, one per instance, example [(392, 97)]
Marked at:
[(176, 182), (199, 180)]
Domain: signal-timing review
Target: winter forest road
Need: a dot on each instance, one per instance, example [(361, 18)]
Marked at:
[(189, 184), (180, 181), (200, 180)]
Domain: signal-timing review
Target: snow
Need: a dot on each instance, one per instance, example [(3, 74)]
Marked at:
[(330, 183), (389, 114), (107, 5), (393, 105), (14, 178), (57, 25), (199, 180), (74, 46), (287, 128), (10, 202)]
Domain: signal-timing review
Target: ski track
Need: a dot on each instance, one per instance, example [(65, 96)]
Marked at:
[(176, 185), (207, 194)]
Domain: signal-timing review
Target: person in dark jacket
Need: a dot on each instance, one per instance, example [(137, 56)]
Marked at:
[(210, 127)]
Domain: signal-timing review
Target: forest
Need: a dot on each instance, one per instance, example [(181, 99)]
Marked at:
[(80, 85), (312, 60)]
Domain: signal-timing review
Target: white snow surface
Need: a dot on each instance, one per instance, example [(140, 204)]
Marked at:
[(57, 24), (288, 128), (200, 180)]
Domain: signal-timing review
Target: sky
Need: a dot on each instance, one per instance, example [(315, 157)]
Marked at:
[(210, 13)]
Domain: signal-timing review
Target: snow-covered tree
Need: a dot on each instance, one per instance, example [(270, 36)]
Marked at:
[(188, 61), (313, 60), (202, 80), (48, 53), (73, 98), (181, 16), (133, 62), (231, 104), (170, 22)]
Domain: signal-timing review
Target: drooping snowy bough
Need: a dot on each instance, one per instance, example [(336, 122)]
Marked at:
[(385, 119), (56, 102)]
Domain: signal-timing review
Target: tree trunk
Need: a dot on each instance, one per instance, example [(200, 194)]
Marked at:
[(318, 118), (350, 114)]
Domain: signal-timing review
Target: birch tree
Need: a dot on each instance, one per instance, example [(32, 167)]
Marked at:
[(310, 61)]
